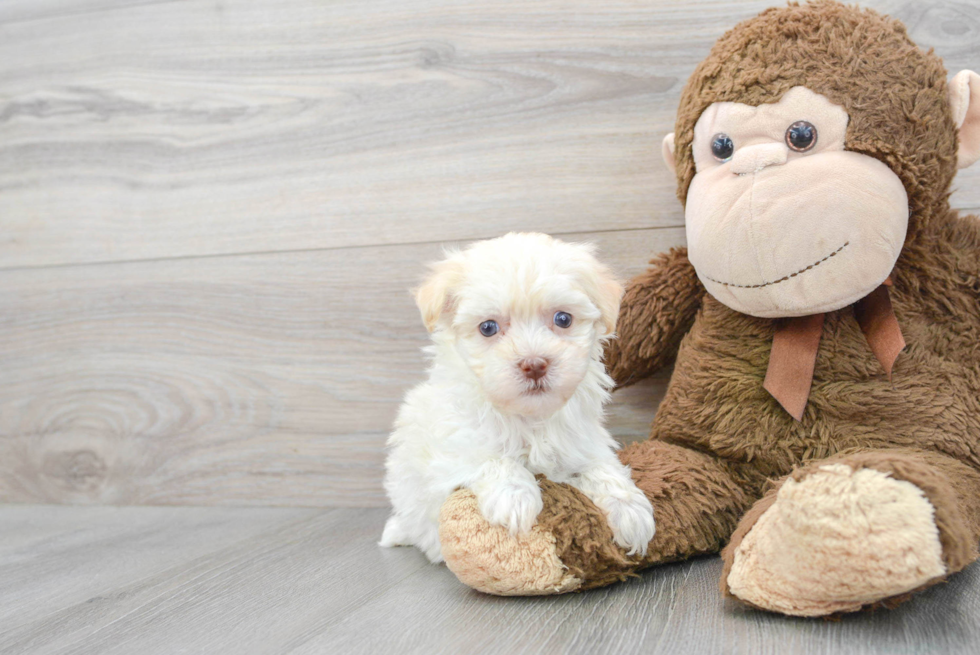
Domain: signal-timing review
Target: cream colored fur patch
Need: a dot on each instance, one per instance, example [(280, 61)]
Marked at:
[(775, 232), (487, 558), (964, 101), (836, 541)]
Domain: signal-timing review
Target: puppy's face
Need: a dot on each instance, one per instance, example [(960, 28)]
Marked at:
[(526, 313)]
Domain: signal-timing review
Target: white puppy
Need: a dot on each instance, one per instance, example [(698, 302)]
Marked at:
[(516, 388)]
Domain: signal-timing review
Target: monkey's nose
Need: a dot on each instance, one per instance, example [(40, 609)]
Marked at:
[(534, 368), (752, 159)]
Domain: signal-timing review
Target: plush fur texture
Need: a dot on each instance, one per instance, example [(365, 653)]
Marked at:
[(720, 442), (836, 540), (531, 563), (512, 392)]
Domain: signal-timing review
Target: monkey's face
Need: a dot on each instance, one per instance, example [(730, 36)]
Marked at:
[(781, 219)]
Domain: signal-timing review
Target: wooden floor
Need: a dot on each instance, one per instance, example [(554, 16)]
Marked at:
[(267, 580)]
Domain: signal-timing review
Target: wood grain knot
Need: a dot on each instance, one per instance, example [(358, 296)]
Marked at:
[(78, 470)]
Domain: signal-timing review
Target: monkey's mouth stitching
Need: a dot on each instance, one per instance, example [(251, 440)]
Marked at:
[(782, 279)]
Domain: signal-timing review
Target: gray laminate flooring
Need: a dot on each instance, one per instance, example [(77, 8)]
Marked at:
[(224, 580)]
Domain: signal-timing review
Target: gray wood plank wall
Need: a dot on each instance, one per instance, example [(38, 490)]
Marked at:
[(210, 213)]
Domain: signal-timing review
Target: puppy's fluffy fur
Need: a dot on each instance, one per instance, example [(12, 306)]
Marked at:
[(527, 399)]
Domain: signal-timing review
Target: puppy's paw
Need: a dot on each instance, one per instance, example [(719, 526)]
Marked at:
[(631, 520), (628, 512), (512, 504)]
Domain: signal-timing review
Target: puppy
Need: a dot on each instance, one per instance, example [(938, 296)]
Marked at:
[(516, 388)]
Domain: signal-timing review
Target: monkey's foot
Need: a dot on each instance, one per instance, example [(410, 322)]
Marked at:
[(569, 548), (489, 559), (835, 541)]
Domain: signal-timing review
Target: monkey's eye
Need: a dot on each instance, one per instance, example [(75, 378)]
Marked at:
[(722, 147), (801, 136), (563, 319), (489, 328)]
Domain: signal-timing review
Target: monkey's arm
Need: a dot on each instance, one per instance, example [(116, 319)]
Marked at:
[(962, 233), (973, 238), (658, 309)]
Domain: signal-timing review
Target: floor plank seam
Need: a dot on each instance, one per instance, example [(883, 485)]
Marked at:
[(296, 251), (75, 14)]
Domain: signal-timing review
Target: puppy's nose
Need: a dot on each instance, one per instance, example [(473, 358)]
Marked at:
[(534, 368)]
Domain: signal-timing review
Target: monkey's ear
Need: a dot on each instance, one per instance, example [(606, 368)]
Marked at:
[(668, 152), (964, 100), (435, 297)]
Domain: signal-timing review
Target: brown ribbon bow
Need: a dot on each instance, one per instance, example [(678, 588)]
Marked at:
[(795, 344)]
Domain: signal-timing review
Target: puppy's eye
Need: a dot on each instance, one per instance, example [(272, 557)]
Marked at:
[(801, 136), (563, 319), (722, 147), (489, 328)]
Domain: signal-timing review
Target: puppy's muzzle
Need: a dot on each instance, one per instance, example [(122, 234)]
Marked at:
[(534, 368)]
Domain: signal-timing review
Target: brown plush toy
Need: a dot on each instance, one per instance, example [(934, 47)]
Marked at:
[(823, 418)]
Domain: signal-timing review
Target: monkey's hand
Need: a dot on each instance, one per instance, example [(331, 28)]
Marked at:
[(657, 310)]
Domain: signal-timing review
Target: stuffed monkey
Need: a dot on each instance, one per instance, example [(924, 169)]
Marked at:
[(823, 417)]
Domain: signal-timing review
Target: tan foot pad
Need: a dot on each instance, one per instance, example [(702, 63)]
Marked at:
[(836, 541), (489, 559)]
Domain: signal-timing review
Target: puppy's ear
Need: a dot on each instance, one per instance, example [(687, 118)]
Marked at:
[(607, 300), (435, 297), (606, 292)]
